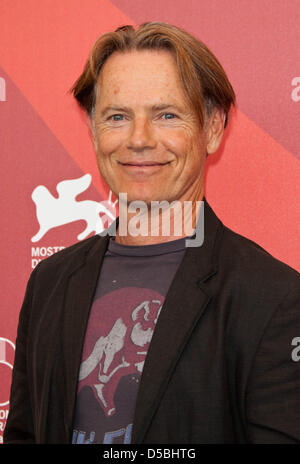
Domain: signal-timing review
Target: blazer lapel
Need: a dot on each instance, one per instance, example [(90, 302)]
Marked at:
[(78, 300), (185, 302)]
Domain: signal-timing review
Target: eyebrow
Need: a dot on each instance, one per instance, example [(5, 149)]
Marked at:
[(114, 108), (164, 106), (156, 107)]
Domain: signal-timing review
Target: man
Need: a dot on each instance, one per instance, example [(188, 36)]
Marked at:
[(140, 338)]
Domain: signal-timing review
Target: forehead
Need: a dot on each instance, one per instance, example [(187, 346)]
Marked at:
[(143, 74)]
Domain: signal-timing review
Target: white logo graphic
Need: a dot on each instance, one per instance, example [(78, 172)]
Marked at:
[(54, 212), (2, 89), (295, 95), (7, 351)]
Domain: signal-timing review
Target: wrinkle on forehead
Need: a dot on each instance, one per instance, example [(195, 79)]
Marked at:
[(153, 71)]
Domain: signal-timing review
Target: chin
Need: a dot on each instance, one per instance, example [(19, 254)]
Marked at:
[(136, 194), (134, 197)]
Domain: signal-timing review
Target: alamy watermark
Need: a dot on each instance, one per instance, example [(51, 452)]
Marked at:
[(295, 354), (295, 95), (2, 89), (160, 218)]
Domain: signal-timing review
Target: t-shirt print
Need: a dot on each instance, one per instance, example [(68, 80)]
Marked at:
[(118, 335)]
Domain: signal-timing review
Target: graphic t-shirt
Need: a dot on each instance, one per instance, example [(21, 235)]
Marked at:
[(132, 286)]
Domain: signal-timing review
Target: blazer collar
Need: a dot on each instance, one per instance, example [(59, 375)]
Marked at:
[(184, 305), (186, 296), (80, 289)]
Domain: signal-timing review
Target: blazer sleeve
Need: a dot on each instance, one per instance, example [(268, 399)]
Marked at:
[(19, 426), (273, 390)]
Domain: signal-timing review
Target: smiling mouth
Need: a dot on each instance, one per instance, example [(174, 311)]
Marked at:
[(144, 164)]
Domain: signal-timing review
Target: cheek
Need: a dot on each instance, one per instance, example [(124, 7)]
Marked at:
[(108, 142), (188, 149)]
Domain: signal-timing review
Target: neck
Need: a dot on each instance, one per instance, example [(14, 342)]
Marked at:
[(153, 224)]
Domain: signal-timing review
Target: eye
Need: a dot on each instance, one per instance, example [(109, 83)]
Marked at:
[(116, 117), (169, 116)]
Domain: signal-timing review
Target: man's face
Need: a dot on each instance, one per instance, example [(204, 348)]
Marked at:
[(148, 139)]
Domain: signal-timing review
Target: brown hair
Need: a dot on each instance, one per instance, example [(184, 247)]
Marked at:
[(203, 78)]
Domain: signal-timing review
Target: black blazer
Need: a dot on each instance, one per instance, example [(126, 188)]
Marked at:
[(219, 368)]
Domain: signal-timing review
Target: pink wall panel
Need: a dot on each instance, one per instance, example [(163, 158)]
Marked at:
[(252, 182)]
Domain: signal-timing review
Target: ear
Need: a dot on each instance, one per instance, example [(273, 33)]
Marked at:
[(215, 130), (91, 125)]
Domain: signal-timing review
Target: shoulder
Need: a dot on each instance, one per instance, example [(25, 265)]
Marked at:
[(254, 269), (68, 258), (260, 294), (244, 252)]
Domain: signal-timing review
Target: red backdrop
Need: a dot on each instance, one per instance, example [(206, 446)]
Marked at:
[(252, 182)]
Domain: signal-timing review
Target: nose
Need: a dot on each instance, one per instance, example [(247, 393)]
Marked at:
[(141, 135)]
